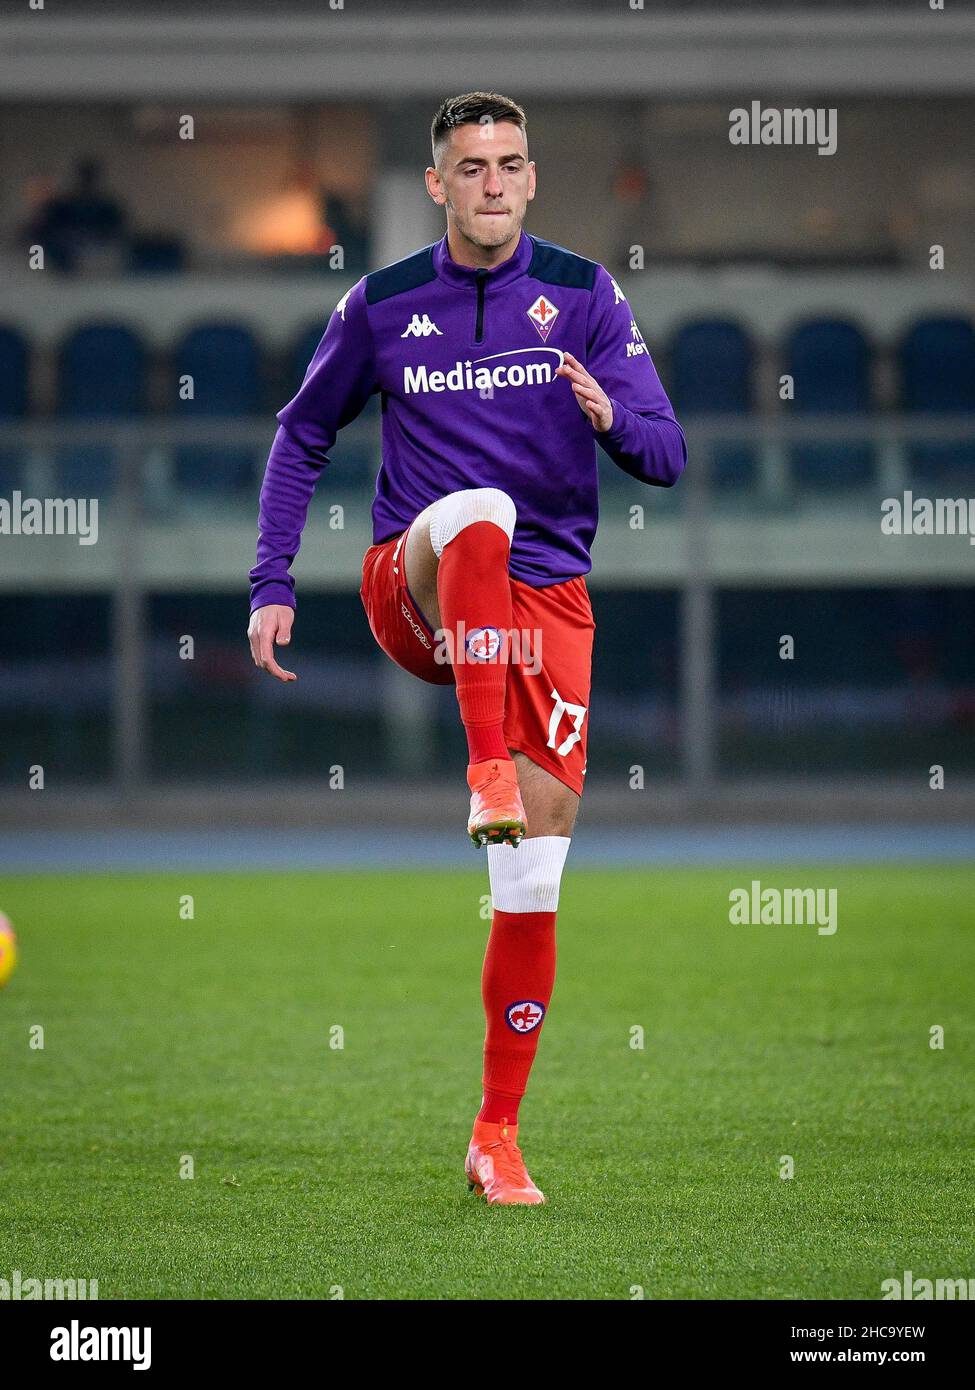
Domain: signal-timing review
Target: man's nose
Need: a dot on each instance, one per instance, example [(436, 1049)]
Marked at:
[(493, 187)]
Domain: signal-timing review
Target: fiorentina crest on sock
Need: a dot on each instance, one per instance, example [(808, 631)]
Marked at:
[(525, 1015), (484, 643)]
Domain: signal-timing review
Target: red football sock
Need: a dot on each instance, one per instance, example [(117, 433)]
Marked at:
[(516, 986), (474, 592)]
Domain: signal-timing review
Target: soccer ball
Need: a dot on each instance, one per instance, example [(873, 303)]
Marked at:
[(8, 950)]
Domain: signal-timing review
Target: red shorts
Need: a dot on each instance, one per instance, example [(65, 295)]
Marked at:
[(549, 671)]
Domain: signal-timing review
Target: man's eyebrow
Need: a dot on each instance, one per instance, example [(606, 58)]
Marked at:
[(478, 159)]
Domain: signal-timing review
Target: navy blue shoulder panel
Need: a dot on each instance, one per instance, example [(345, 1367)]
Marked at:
[(401, 276), (554, 265)]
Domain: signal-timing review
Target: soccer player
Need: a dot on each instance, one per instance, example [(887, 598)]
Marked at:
[(500, 360)]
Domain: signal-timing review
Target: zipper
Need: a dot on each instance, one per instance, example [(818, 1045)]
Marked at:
[(481, 285)]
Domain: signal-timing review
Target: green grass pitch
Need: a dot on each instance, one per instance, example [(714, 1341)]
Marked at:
[(318, 1168)]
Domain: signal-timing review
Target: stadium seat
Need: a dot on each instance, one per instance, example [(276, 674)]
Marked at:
[(224, 362), (829, 361), (712, 366), (156, 255), (14, 368), (101, 375), (937, 375)]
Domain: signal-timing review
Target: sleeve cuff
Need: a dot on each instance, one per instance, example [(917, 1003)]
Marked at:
[(614, 435), (275, 592)]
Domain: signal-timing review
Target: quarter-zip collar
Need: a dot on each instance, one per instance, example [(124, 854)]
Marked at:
[(467, 276)]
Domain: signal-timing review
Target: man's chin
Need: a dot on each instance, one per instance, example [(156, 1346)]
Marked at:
[(493, 231)]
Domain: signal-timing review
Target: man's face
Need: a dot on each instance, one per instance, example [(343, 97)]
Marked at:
[(485, 181)]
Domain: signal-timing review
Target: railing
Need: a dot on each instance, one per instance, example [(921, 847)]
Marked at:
[(705, 519)]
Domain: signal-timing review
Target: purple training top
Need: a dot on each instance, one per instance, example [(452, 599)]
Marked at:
[(464, 362)]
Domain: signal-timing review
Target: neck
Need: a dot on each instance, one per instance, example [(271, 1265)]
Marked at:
[(468, 253)]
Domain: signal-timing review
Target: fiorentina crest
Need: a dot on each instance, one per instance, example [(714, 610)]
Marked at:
[(543, 314), (525, 1016)]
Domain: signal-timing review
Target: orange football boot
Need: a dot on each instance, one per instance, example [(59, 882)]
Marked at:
[(497, 812), (495, 1168)]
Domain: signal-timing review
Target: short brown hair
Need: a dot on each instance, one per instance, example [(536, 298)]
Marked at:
[(473, 108)]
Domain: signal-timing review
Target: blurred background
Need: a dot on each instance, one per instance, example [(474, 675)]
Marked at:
[(205, 189)]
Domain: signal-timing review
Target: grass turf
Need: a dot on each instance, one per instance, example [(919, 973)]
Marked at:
[(318, 1168)]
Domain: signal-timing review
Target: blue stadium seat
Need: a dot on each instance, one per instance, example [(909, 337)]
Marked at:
[(937, 375), (224, 362), (712, 363), (829, 362), (151, 254), (14, 369), (101, 375)]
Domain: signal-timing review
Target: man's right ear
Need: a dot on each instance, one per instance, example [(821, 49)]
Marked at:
[(438, 198)]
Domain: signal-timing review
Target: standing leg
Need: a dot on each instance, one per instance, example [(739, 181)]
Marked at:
[(519, 966), (518, 978)]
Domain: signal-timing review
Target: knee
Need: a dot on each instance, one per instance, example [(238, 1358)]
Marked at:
[(492, 504), (460, 509), (555, 821)]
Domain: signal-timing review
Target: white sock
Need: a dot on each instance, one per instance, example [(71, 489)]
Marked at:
[(449, 515), (527, 879)]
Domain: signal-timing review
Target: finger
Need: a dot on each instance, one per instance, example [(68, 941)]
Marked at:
[(270, 634), (589, 393), (265, 643), (574, 372), (273, 669), (284, 628)]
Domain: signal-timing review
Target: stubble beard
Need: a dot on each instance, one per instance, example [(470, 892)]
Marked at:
[(487, 238)]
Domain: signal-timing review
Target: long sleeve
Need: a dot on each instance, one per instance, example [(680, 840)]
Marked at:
[(644, 439), (339, 380)]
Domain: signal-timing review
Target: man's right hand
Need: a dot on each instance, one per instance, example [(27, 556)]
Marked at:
[(270, 627)]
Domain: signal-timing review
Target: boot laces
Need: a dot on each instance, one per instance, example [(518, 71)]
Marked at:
[(507, 1158), (492, 776)]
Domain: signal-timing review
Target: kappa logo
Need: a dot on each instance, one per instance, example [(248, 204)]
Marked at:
[(524, 1016), (543, 314), (618, 296), (576, 713), (340, 306), (421, 327)]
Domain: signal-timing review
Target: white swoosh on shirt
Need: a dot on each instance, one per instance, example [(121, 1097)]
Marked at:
[(517, 352)]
